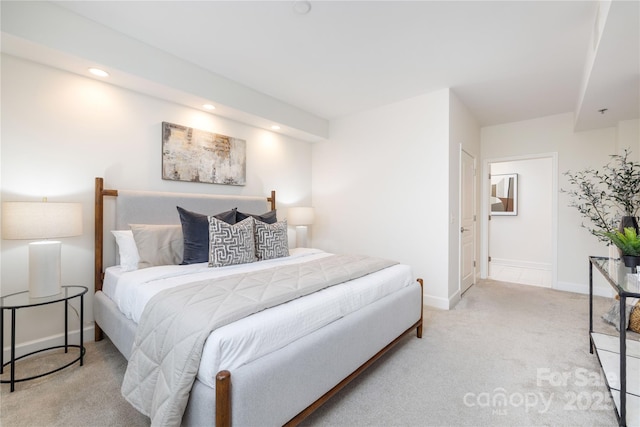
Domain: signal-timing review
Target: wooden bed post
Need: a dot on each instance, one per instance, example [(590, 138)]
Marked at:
[(272, 199), (223, 399), (99, 225), (419, 328), (98, 275), (98, 230)]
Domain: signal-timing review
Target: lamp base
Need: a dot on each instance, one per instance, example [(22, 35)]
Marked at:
[(44, 268), (301, 236)]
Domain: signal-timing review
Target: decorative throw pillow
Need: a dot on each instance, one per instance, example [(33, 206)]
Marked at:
[(271, 240), (613, 315), (127, 250), (268, 217), (195, 229), (231, 244), (158, 244)]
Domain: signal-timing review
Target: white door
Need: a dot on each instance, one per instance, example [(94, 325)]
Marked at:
[(467, 221)]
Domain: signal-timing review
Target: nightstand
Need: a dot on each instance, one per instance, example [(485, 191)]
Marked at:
[(21, 300)]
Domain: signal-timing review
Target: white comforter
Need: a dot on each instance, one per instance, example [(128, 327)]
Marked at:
[(238, 343)]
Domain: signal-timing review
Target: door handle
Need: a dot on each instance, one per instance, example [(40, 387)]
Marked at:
[(462, 229)]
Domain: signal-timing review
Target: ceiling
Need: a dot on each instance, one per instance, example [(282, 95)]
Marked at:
[(506, 61)]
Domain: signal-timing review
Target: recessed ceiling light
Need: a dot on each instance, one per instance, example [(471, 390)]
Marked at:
[(208, 107), (98, 72), (275, 127), (301, 7)]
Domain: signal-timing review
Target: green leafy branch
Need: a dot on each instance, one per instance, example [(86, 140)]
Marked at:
[(622, 178), (603, 197), (590, 199)]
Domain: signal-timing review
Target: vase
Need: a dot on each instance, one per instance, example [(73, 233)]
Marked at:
[(628, 221), (631, 261)]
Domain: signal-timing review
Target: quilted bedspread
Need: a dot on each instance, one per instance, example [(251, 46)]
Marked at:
[(176, 322)]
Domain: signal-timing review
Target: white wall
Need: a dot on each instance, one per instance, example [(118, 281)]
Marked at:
[(576, 151), (628, 135), (387, 184), (525, 240), (61, 130), (381, 187)]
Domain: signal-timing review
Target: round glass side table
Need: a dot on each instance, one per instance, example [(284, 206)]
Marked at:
[(21, 300)]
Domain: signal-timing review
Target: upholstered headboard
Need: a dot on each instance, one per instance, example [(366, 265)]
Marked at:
[(146, 207), (143, 207)]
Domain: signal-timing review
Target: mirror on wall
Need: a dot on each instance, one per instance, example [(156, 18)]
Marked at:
[(504, 194)]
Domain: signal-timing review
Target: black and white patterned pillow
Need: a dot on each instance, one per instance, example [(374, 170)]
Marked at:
[(231, 244), (271, 240)]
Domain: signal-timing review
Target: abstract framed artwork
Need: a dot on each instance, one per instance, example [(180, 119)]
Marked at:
[(198, 156), (504, 194)]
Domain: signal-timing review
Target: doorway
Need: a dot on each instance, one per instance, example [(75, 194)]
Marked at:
[(521, 245), (467, 242)]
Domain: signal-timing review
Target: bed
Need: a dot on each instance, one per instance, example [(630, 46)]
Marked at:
[(274, 366)]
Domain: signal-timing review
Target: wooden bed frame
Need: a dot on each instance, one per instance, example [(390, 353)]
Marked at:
[(223, 378)]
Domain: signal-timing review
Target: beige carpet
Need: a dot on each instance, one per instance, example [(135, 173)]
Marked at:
[(76, 396), (506, 355)]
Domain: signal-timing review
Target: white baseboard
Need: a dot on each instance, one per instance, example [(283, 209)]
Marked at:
[(580, 288), (521, 264), (436, 302), (454, 299), (51, 341)]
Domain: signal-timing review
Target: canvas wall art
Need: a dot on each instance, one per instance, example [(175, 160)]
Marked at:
[(198, 156), (504, 194)]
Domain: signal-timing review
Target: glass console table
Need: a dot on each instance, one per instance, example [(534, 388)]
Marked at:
[(618, 356)]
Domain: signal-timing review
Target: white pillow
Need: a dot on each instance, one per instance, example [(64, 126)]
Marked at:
[(127, 249)]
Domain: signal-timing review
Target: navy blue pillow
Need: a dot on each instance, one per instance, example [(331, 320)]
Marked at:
[(195, 230), (269, 217)]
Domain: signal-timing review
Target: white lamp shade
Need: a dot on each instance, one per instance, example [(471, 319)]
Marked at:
[(40, 220), (300, 216)]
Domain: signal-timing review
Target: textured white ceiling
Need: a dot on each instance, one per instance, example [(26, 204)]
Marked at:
[(507, 61)]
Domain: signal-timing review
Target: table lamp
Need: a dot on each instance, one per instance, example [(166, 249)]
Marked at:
[(300, 217), (42, 220)]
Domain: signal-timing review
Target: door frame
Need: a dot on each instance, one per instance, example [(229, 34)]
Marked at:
[(485, 208)]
